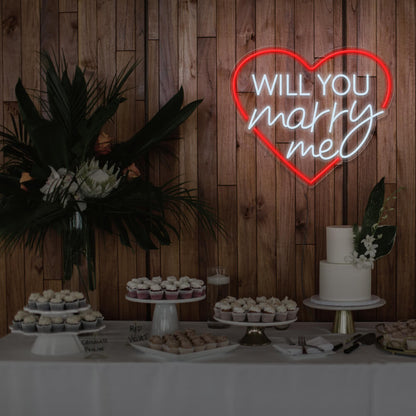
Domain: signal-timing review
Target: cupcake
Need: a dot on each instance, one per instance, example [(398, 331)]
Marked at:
[(99, 316), (171, 279), (44, 325), (48, 294), (197, 288), (89, 321), (57, 324), (217, 309), (185, 290), (157, 279), (29, 323), (71, 302), (142, 291), (42, 304), (281, 313), (155, 342), (171, 345), (73, 323), (198, 343), (268, 314), (171, 292), (79, 296), (32, 300), (185, 347), (184, 279), (226, 312), (254, 314), (18, 320), (261, 299), (131, 289), (222, 341), (156, 292), (65, 292), (57, 304), (292, 309), (238, 314)]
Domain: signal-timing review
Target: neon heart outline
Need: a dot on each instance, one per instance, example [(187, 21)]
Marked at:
[(312, 68)]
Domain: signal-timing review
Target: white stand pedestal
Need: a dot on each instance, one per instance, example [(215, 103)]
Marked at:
[(165, 317)]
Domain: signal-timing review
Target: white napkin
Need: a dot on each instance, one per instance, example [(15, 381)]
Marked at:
[(296, 350)]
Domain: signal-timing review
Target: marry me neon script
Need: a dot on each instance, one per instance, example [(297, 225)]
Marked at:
[(313, 101)]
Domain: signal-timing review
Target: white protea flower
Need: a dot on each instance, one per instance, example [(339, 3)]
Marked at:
[(60, 184), (96, 182), (368, 241)]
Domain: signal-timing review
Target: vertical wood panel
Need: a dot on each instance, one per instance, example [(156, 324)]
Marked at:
[(153, 20), (87, 35), (226, 127), (207, 13), (266, 164), (140, 50), (207, 147), (367, 35), (125, 25), (12, 36), (246, 204), (68, 40), (406, 159), (68, 5)]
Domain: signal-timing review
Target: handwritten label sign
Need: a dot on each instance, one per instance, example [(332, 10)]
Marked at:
[(298, 106)]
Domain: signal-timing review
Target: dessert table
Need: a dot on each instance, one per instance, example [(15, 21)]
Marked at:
[(120, 380)]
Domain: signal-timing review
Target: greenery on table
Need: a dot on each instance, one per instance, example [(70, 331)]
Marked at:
[(62, 172)]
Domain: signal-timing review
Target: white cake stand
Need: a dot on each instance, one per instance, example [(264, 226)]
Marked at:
[(165, 316), (255, 335), (343, 322), (57, 343)]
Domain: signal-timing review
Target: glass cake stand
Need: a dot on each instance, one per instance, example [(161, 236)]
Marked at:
[(255, 335), (57, 343), (165, 316), (343, 322)]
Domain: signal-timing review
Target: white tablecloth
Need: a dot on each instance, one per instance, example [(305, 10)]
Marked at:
[(247, 381)]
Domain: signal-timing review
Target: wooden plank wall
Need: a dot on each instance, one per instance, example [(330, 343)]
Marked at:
[(275, 224)]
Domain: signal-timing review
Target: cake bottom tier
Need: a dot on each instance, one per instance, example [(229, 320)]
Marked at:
[(344, 282)]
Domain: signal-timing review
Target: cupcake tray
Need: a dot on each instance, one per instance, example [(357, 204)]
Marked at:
[(56, 313), (57, 343), (143, 346), (255, 335), (165, 316)]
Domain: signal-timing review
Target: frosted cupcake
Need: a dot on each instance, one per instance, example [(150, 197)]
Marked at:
[(57, 324), (268, 314), (281, 313), (157, 279), (73, 323), (198, 343), (32, 300), (99, 316), (142, 291), (254, 313), (29, 323), (131, 289), (71, 302), (65, 292), (238, 314), (79, 296), (44, 325), (89, 321), (155, 342), (292, 309), (18, 320), (197, 288), (171, 292), (171, 279), (42, 304), (217, 309), (184, 279), (226, 312), (57, 304), (261, 299), (185, 290), (156, 292)]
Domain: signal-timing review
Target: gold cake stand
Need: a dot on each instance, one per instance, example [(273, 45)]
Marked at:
[(343, 321), (255, 335)]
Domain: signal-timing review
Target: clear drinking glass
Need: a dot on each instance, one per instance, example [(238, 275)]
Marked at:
[(218, 287)]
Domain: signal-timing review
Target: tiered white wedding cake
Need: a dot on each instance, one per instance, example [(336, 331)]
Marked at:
[(340, 280)]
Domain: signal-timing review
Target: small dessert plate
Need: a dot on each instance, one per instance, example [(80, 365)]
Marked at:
[(143, 346)]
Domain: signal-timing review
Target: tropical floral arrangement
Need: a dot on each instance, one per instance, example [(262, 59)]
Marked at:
[(62, 171), (373, 240)]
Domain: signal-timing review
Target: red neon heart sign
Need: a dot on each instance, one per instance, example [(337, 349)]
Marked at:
[(279, 51)]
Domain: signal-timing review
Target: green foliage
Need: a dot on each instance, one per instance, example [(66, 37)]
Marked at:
[(384, 235), (62, 136)]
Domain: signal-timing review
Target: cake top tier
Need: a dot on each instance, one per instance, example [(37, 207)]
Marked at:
[(339, 243)]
